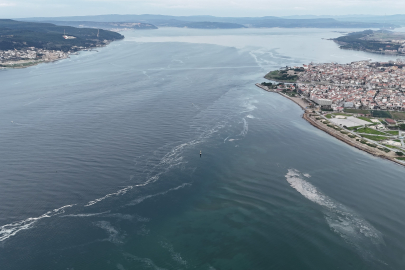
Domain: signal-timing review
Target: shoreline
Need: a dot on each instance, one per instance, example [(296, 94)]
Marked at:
[(19, 64), (296, 100), (337, 134)]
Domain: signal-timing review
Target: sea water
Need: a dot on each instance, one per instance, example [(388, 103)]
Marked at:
[(100, 163)]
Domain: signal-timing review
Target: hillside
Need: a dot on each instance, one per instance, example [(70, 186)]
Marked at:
[(117, 26), (18, 35), (381, 41)]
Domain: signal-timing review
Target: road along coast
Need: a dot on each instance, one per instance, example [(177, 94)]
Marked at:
[(356, 141), (299, 101)]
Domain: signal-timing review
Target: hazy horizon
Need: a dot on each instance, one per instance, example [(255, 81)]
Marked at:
[(219, 8)]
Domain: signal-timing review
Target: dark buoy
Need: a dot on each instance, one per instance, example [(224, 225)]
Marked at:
[(200, 153)]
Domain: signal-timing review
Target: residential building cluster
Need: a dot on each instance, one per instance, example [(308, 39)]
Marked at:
[(31, 53), (356, 85)]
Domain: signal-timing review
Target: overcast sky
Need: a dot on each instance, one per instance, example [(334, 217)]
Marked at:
[(237, 8)]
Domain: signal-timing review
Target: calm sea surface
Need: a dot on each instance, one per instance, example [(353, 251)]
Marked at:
[(100, 165)]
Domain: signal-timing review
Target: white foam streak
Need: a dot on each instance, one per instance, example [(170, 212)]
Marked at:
[(176, 256), (145, 261), (86, 215), (245, 128), (119, 192), (9, 230), (141, 199), (171, 159), (342, 220), (114, 235)]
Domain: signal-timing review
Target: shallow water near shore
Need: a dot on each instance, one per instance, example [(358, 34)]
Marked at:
[(100, 164)]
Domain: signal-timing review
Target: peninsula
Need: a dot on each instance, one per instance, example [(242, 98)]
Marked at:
[(25, 44), (381, 41), (361, 103)]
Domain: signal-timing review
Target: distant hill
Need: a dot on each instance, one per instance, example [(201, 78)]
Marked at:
[(398, 19), (106, 25), (19, 35), (239, 22)]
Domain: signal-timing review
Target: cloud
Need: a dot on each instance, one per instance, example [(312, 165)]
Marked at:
[(6, 4)]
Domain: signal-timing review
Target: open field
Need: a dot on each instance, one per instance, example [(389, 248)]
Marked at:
[(349, 121), (398, 115)]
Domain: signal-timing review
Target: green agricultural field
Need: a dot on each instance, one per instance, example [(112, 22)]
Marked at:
[(375, 138), (370, 131), (398, 115)]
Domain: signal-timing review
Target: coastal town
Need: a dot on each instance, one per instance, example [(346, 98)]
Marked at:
[(29, 56), (361, 103), (374, 86)]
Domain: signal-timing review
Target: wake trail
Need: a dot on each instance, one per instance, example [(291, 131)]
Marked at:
[(342, 220), (9, 230)]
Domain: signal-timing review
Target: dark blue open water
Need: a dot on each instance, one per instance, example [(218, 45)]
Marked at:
[(100, 165)]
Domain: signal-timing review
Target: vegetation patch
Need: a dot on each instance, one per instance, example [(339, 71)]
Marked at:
[(353, 128), (281, 76), (357, 111), (384, 149), (392, 132), (20, 35), (370, 131), (329, 116), (381, 114), (391, 146), (375, 138)]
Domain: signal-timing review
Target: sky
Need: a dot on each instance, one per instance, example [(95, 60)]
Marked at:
[(225, 8)]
